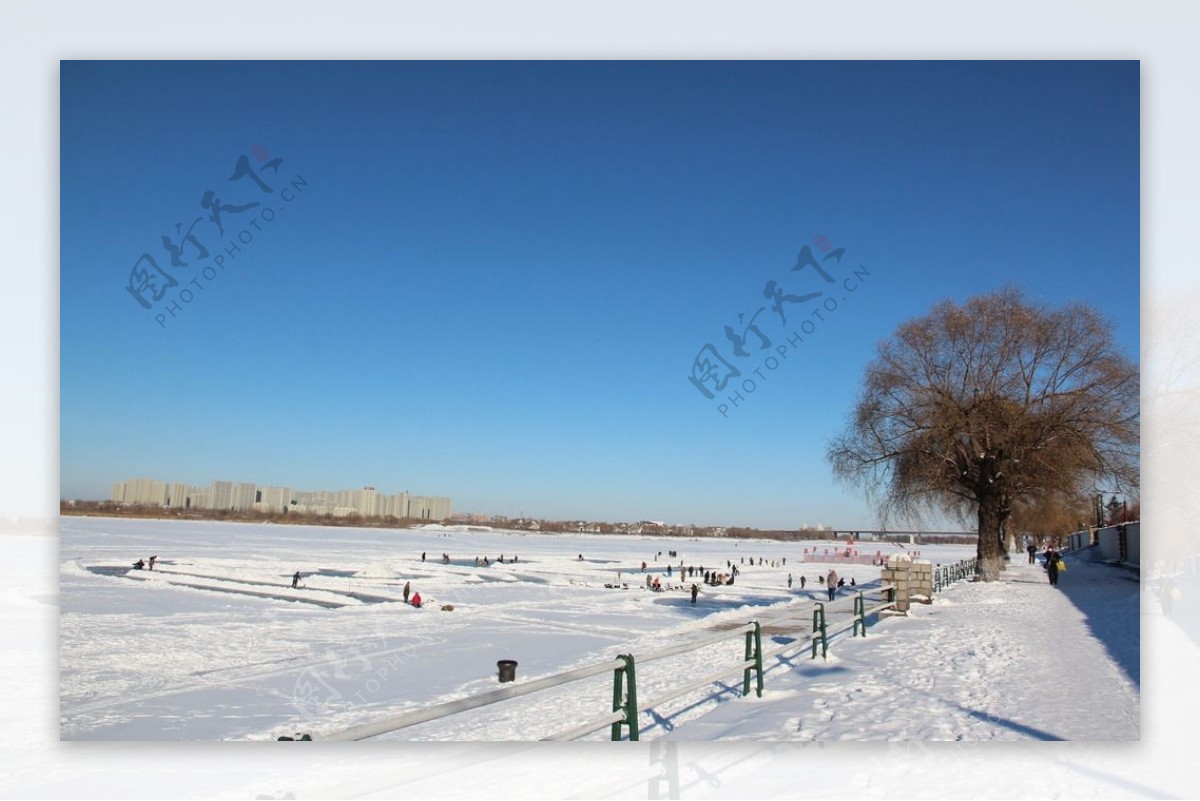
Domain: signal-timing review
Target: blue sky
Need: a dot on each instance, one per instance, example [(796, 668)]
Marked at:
[(494, 277)]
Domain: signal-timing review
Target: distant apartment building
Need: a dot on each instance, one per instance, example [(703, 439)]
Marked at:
[(247, 496), (177, 497), (395, 505), (365, 502), (222, 495), (242, 497), (428, 507), (273, 499), (200, 497), (141, 491)]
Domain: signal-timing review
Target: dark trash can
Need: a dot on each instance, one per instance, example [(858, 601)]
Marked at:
[(508, 670)]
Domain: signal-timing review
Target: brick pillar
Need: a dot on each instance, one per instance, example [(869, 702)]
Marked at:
[(921, 581), (898, 573)]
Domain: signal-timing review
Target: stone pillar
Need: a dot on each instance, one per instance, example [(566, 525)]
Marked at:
[(898, 573), (920, 583)]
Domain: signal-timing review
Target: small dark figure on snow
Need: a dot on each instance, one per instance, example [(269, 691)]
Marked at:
[(803, 581), (1032, 550), (139, 564), (789, 581), (153, 559), (695, 592), (422, 556), (407, 589), (295, 579)]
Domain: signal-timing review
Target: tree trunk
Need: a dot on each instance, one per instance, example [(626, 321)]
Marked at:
[(990, 549)]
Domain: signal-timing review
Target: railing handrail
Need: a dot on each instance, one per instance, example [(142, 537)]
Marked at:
[(449, 708)]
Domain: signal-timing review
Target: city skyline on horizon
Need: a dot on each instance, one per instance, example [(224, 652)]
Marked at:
[(515, 281), (223, 494)]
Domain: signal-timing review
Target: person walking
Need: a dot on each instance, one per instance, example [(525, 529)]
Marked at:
[(695, 592), (1052, 566), (831, 583), (789, 581), (1032, 549), (407, 589), (295, 579), (803, 581)]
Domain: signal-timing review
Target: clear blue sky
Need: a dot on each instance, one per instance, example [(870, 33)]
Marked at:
[(497, 276)]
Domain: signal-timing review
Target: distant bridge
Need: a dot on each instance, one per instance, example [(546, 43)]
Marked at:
[(892, 535)]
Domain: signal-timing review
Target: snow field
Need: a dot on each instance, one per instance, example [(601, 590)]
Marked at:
[(185, 653), (176, 655)]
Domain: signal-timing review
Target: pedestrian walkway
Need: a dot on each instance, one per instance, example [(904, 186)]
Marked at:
[(1012, 660)]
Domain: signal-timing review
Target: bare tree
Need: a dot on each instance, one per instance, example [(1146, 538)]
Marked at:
[(974, 408)]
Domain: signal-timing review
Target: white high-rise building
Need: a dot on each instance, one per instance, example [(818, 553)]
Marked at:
[(365, 502), (145, 491), (201, 497), (395, 505), (222, 495), (177, 497), (273, 499), (416, 507), (439, 507), (243, 496)]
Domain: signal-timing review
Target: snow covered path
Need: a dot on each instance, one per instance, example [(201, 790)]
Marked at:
[(1014, 660)]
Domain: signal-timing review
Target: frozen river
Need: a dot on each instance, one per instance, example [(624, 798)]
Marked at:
[(215, 644)]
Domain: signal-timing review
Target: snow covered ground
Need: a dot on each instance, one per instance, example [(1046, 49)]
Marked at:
[(1001, 661), (215, 644), (36, 765)]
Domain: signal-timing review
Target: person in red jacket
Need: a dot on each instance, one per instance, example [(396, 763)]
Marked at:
[(416, 600)]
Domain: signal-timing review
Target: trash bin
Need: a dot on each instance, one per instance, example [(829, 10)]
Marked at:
[(508, 670)]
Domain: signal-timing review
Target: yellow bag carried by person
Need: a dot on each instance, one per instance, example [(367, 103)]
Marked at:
[(1061, 565)]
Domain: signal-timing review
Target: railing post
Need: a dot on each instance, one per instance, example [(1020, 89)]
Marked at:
[(753, 651), (631, 711), (618, 699), (819, 625), (860, 617), (625, 702)]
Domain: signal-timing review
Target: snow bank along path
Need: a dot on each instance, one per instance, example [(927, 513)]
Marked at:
[(1012, 660)]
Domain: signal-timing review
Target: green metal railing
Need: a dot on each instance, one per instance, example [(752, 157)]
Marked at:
[(943, 577), (625, 702), (820, 633), (622, 720)]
